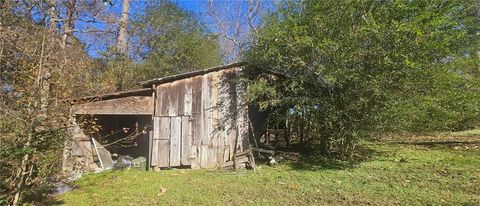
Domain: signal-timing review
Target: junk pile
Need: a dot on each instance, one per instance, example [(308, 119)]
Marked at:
[(122, 162)]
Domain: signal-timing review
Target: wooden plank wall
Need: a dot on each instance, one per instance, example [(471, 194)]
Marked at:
[(175, 139), (134, 105), (202, 114)]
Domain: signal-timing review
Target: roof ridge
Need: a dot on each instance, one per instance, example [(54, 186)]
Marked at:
[(174, 77)]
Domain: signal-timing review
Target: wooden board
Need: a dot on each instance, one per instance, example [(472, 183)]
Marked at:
[(205, 115), (197, 109), (172, 100), (134, 105), (187, 109), (162, 101), (175, 138), (150, 142), (194, 160), (217, 125), (206, 111), (178, 93), (204, 162), (163, 139), (155, 141), (186, 143)]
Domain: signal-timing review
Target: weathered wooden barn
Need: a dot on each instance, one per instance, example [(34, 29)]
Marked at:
[(197, 119)]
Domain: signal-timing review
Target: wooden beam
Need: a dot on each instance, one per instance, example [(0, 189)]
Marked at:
[(134, 105), (136, 92)]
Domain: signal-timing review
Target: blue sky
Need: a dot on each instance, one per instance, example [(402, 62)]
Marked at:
[(198, 7), (94, 48)]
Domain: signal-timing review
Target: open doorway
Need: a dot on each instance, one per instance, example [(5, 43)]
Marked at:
[(124, 136)]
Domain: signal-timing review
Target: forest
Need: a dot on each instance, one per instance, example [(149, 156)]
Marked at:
[(338, 80)]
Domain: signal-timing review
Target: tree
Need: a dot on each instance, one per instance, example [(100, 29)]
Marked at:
[(343, 65), (122, 29), (235, 22), (35, 79), (173, 41)]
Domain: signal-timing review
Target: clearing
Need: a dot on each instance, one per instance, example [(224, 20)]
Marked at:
[(422, 170)]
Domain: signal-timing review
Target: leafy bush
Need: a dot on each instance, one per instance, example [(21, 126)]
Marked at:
[(353, 67)]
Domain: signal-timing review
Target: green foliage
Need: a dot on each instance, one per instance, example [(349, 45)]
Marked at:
[(165, 40), (449, 103), (354, 67), (176, 40), (397, 174), (119, 74), (36, 77)]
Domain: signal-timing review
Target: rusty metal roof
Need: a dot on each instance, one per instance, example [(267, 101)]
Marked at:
[(175, 77)]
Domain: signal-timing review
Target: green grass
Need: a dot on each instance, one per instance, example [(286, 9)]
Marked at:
[(472, 132), (394, 173)]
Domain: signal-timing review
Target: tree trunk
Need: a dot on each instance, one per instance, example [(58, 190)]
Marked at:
[(22, 174), (323, 144), (286, 133), (43, 84), (122, 29), (68, 25), (307, 132), (302, 130), (53, 15), (266, 131)]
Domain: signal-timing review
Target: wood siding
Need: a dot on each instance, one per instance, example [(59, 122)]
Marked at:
[(203, 120), (134, 105)]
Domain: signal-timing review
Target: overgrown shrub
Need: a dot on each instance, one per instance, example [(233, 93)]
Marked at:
[(37, 75), (353, 67)]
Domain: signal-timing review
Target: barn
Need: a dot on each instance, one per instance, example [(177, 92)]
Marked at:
[(198, 119)]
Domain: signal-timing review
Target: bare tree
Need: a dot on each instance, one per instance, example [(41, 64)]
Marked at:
[(69, 22), (122, 29), (235, 22)]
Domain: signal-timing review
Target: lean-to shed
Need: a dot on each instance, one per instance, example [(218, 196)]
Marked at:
[(197, 119)]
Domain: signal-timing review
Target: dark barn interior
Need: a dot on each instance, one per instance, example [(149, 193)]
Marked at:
[(121, 135)]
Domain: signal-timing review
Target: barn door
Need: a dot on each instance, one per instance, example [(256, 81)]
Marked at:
[(175, 140), (172, 143), (161, 142)]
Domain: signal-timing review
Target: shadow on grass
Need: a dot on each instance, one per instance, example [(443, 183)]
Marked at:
[(51, 201), (43, 199), (317, 162), (442, 144)]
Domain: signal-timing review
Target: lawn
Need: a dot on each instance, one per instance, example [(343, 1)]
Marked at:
[(415, 172)]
